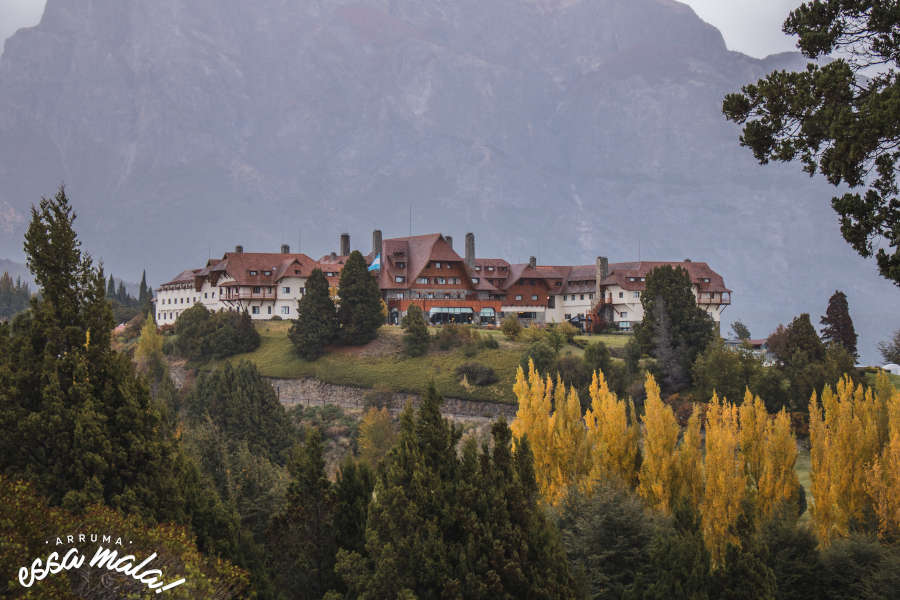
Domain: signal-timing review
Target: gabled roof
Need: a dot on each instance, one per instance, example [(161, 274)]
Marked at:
[(416, 252), (621, 274)]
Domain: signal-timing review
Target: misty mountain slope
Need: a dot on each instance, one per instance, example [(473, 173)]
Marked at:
[(561, 129)]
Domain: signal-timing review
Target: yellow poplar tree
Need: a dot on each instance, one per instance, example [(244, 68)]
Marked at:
[(726, 479), (883, 478), (569, 451), (847, 433), (777, 481), (690, 462), (659, 469), (612, 434), (376, 436), (533, 419), (754, 419)]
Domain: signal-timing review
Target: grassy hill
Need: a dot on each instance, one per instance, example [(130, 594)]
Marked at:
[(382, 365)]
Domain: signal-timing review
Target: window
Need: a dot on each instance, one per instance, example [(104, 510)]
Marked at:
[(285, 310), (206, 294), (590, 296), (213, 294), (252, 272), (269, 310), (490, 268), (399, 279), (534, 297), (401, 265), (267, 273), (621, 294), (257, 290), (475, 280), (624, 315), (302, 291), (285, 290), (422, 280), (477, 268), (518, 297), (441, 280), (437, 265), (637, 294), (296, 272), (582, 296), (255, 310)]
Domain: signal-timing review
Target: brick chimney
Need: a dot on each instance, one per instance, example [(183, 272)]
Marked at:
[(532, 262), (470, 250), (285, 249), (449, 239), (238, 249), (376, 241), (345, 244)]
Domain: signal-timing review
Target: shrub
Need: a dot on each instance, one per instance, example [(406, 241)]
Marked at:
[(597, 358), (203, 335), (470, 349), (415, 339), (533, 333), (451, 336), (489, 342), (511, 327), (568, 331), (573, 371), (476, 374), (542, 354), (379, 397)]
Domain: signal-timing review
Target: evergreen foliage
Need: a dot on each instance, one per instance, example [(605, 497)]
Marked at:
[(202, 335), (836, 119), (674, 330), (511, 327), (244, 407), (14, 296), (316, 324), (360, 312), (77, 421), (890, 350), (427, 534), (740, 331), (838, 326), (415, 336)]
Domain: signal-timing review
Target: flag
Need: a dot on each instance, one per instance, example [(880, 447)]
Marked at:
[(376, 263)]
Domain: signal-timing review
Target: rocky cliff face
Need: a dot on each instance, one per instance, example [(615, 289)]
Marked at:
[(563, 129)]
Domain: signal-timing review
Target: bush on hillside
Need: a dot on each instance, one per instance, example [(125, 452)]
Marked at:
[(511, 327), (477, 374), (202, 335)]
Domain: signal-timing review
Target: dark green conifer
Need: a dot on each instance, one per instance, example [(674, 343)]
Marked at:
[(316, 324), (360, 312)]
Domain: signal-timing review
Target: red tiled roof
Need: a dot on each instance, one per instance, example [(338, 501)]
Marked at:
[(621, 273), (416, 251)]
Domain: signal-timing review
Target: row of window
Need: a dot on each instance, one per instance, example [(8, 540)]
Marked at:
[(285, 310), (572, 296), (533, 296), (489, 268), (435, 280)]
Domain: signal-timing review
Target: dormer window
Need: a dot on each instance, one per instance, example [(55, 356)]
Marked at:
[(477, 268), (399, 279), (253, 273), (401, 265), (490, 268), (475, 280), (267, 273)]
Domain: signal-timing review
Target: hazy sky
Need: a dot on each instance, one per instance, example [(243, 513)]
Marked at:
[(749, 26)]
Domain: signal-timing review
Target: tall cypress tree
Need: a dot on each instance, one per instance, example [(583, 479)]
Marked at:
[(144, 292), (76, 419), (316, 324), (838, 324), (690, 328), (360, 310), (111, 287)]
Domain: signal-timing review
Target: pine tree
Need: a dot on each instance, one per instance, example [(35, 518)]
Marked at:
[(77, 420), (304, 532), (316, 324), (686, 328), (144, 294), (415, 337), (726, 480), (838, 326), (359, 313), (659, 468), (111, 287)]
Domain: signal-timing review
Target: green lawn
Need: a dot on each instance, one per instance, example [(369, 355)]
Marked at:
[(379, 365)]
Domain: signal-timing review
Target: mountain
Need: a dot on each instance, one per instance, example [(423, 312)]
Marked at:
[(563, 129)]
